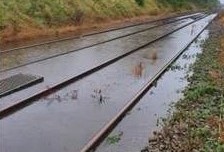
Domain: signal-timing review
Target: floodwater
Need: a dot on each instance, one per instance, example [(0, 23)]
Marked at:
[(65, 67), (132, 134), (112, 34), (23, 56), (66, 120)]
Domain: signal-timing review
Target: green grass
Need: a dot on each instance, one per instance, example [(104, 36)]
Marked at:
[(114, 139), (53, 12), (204, 100), (40, 13)]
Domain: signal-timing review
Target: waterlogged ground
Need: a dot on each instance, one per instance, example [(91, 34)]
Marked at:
[(23, 56), (132, 134), (198, 121), (76, 63), (69, 118)]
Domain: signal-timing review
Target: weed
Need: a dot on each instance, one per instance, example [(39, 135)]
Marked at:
[(113, 139), (199, 90)]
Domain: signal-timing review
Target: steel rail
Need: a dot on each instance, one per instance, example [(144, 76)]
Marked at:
[(95, 33), (92, 45), (102, 134), (29, 100)]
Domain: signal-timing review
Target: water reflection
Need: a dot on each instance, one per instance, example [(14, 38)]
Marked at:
[(38, 53), (138, 70), (193, 29), (151, 54), (70, 96)]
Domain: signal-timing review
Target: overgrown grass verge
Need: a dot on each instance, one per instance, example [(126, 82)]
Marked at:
[(17, 15), (198, 121), (39, 16)]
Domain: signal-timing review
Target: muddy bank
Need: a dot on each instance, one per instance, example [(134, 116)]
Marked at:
[(198, 121)]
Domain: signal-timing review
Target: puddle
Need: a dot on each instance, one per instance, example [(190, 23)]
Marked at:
[(145, 118)]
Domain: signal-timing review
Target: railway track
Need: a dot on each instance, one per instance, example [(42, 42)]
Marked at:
[(138, 126), (8, 53), (22, 103), (98, 137), (104, 31)]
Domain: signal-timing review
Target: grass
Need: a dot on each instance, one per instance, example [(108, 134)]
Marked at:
[(28, 20), (29, 15), (114, 139), (49, 13)]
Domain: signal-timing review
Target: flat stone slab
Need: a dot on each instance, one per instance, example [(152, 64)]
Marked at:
[(18, 82)]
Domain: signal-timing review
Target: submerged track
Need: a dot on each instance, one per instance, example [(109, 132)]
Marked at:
[(144, 29), (24, 102), (99, 137), (165, 20)]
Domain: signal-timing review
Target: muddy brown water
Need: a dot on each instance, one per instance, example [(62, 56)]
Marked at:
[(68, 119)]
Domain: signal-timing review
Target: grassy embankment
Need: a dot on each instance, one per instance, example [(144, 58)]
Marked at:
[(30, 18), (198, 121)]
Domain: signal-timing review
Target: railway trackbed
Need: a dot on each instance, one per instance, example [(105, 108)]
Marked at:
[(23, 56), (109, 78), (149, 24), (60, 71)]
